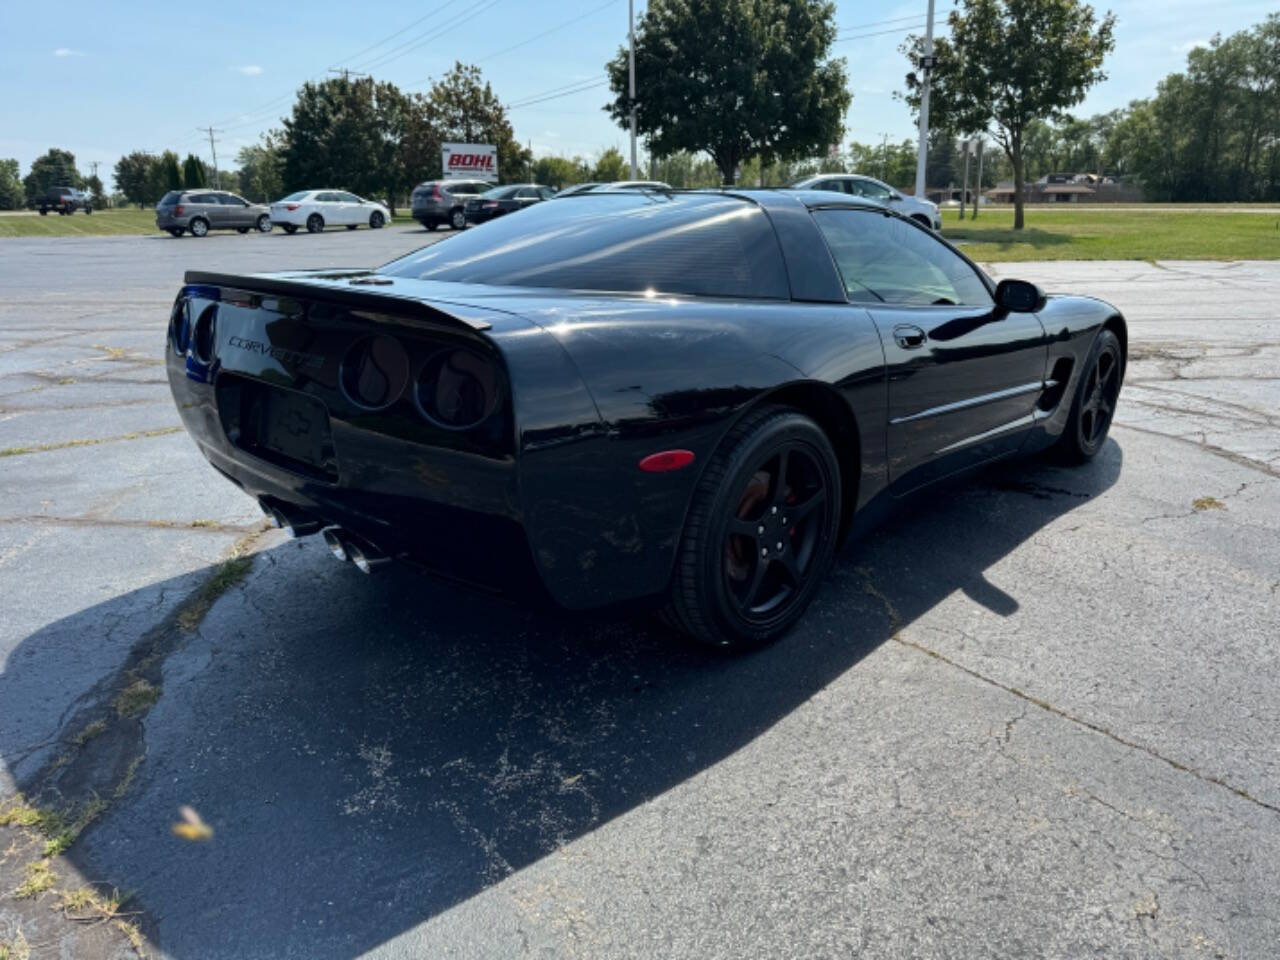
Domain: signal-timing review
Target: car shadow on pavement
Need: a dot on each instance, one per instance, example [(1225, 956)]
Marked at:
[(372, 751)]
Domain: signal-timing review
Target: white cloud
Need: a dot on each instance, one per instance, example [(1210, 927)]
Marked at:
[(1188, 46), (67, 52), (249, 70)]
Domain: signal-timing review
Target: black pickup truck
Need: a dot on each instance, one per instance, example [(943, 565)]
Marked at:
[(65, 201)]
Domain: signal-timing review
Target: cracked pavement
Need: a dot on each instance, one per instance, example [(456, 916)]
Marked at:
[(1033, 714)]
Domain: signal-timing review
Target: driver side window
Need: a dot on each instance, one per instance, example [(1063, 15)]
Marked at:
[(884, 259)]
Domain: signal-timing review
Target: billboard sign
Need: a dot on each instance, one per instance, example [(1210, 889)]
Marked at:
[(470, 161)]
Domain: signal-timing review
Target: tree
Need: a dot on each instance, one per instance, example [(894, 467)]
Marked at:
[(56, 168), (262, 169), (94, 185), (734, 79), (1009, 63), (560, 172), (12, 195), (192, 172), (465, 110), (134, 175), (610, 166)]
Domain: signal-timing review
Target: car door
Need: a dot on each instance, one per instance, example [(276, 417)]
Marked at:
[(208, 206), (526, 197), (329, 207), (963, 375), (354, 209), (235, 210)]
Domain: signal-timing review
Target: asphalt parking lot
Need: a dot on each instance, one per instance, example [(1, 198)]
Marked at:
[(1034, 714)]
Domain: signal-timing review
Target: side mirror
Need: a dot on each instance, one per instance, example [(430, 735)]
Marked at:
[(1019, 296), (895, 195)]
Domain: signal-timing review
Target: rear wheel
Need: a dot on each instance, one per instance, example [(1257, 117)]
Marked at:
[(263, 224), (242, 229), (1095, 401), (176, 231), (458, 219), (315, 223), (352, 226), (44, 212), (199, 227), (429, 224), (289, 228), (376, 220), (88, 210), (761, 532)]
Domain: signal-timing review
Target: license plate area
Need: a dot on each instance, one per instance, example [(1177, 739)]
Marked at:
[(283, 427)]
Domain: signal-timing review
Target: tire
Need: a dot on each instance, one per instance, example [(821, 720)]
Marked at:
[(88, 210), (290, 228), (1094, 403), (376, 220), (263, 224), (199, 227), (733, 588), (429, 224), (352, 226), (315, 223), (458, 219), (242, 229), (176, 232), (44, 212)]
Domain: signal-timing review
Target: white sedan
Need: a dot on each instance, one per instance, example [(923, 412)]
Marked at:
[(317, 209)]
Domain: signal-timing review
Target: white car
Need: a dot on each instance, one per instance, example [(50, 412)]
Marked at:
[(317, 209), (924, 212)]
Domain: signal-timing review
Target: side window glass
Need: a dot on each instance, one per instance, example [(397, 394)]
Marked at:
[(873, 190), (348, 198), (884, 259)]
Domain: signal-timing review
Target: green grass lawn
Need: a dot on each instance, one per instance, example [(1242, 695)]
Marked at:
[(100, 223), (1131, 234)]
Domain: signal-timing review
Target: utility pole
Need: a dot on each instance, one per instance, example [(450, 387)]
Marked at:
[(631, 30), (346, 74), (213, 149), (927, 63), (977, 196), (884, 158), (967, 147)]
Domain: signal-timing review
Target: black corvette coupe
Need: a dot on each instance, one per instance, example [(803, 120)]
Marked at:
[(690, 397)]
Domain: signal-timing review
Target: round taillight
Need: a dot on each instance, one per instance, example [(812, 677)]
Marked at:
[(374, 372), (179, 326), (458, 389), (203, 333)]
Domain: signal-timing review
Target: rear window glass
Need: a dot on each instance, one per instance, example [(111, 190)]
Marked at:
[(699, 245), (170, 198), (297, 196)]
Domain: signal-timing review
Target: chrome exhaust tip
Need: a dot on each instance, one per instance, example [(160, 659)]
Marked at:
[(337, 546), (367, 557), (295, 523)]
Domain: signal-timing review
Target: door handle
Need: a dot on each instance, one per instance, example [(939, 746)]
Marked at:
[(909, 337)]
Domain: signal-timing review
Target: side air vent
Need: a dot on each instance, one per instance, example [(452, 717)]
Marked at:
[(1056, 385)]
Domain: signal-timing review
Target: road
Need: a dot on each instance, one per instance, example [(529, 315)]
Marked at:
[(1033, 714)]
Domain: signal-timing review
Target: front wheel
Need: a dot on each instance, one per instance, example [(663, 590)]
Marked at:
[(289, 228), (1095, 399), (199, 227), (263, 224), (315, 223), (458, 220), (760, 534), (376, 220)]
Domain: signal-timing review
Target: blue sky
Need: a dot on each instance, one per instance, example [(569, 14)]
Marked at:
[(143, 75)]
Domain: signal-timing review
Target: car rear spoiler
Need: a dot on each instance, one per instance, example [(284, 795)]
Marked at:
[(359, 289)]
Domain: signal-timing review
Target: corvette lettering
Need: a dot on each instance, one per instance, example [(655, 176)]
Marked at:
[(289, 358)]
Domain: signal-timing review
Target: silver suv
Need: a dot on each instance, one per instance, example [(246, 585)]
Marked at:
[(203, 210), (855, 184), (442, 201)]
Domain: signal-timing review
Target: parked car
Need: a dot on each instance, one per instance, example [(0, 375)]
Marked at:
[(577, 188), (203, 210), (691, 398), (856, 185), (64, 201), (441, 201), (317, 209), (631, 185), (503, 200)]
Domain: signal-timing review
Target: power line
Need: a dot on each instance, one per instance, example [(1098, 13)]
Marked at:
[(422, 39), (881, 33), (578, 86), (878, 23), (539, 36)]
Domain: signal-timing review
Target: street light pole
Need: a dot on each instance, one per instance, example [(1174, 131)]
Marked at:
[(926, 66), (631, 30)]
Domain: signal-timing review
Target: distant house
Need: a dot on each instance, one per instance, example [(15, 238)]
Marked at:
[(1069, 188)]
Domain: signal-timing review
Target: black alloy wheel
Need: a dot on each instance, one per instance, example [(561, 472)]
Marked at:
[(761, 532), (315, 223), (1094, 405), (376, 220)]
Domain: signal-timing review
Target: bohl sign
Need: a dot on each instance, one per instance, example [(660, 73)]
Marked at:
[(470, 161)]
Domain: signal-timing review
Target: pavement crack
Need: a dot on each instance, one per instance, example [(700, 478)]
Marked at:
[(92, 442), (1238, 459)]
